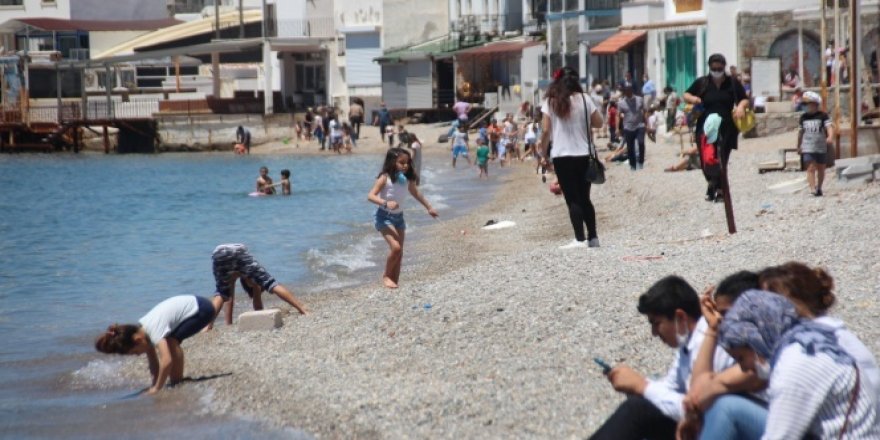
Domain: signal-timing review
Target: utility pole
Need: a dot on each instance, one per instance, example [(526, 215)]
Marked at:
[(241, 19), (267, 63), (217, 19)]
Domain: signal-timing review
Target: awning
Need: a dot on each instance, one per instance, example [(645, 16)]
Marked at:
[(435, 49), (498, 48), (618, 42)]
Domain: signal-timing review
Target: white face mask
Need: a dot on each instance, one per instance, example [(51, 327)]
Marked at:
[(681, 340), (762, 369), (716, 74)]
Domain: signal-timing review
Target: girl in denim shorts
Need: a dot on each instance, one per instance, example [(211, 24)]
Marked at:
[(392, 185)]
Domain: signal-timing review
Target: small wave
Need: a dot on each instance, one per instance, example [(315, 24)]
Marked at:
[(344, 259), (101, 374)]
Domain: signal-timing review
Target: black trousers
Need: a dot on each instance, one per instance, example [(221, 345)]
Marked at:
[(572, 174), (636, 419)]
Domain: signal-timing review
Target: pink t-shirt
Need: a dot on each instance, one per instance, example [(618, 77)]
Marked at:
[(461, 109)]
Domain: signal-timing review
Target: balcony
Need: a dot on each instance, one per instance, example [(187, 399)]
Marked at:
[(486, 24), (594, 5), (316, 27)]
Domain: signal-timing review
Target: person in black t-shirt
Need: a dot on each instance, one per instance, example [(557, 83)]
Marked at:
[(721, 94)]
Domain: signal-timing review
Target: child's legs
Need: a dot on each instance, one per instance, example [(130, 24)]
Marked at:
[(820, 174), (811, 175), (285, 294), (396, 275), (254, 291), (176, 374), (395, 250)]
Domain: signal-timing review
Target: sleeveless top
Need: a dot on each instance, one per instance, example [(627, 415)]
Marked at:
[(396, 192)]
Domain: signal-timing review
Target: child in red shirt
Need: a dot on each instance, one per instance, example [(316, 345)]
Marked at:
[(612, 121)]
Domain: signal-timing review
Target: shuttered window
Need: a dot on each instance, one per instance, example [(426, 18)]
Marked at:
[(360, 50)]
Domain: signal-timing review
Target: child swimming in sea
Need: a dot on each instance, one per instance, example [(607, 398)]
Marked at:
[(264, 182), (285, 182), (233, 261), (396, 180), (159, 335)]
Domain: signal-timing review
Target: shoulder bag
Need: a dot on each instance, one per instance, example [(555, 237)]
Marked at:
[(595, 168)]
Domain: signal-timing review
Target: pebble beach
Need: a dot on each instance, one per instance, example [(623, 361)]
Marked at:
[(492, 333)]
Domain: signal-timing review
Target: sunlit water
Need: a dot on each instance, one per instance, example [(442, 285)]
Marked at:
[(89, 240)]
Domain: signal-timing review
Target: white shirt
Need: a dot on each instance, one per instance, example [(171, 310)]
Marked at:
[(870, 373), (167, 315), (396, 192), (652, 121), (319, 121), (570, 134), (334, 128), (667, 393), (811, 394)]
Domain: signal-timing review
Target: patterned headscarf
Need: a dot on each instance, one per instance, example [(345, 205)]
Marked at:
[(767, 323)]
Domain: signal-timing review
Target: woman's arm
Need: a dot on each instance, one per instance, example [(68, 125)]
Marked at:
[(691, 99), (373, 196), (164, 366), (414, 190)]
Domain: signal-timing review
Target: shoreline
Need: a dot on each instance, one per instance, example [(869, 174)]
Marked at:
[(505, 348)]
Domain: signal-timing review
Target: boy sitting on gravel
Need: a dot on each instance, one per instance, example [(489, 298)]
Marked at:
[(654, 407)]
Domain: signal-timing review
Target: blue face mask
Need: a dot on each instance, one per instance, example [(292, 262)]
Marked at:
[(401, 178)]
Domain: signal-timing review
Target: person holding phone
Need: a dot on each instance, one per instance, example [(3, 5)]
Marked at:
[(654, 408)]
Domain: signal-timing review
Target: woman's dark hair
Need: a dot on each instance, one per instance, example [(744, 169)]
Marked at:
[(732, 286), (668, 295), (118, 339), (390, 165), (797, 281), (566, 82)]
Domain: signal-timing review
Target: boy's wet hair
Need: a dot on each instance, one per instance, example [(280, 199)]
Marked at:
[(285, 173)]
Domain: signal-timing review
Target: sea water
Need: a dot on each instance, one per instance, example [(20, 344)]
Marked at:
[(90, 240)]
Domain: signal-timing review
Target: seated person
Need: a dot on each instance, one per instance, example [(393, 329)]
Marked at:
[(814, 387), (617, 155), (689, 160), (653, 408)]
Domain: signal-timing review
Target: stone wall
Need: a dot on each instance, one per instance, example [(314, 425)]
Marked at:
[(217, 132), (769, 124), (756, 32)]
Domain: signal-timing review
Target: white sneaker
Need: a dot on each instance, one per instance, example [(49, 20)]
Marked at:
[(574, 245)]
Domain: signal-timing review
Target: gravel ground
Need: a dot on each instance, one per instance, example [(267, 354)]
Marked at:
[(492, 333)]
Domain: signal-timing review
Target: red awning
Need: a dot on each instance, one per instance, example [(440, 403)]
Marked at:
[(500, 47), (618, 42)]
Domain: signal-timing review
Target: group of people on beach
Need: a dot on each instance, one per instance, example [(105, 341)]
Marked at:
[(757, 357)]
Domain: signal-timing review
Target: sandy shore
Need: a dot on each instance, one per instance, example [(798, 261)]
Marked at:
[(492, 333)]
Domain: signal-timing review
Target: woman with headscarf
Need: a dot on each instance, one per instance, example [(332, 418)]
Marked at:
[(720, 94), (814, 388), (566, 111)]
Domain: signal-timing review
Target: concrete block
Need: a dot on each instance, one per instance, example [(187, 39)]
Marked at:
[(778, 107), (857, 170), (260, 320)]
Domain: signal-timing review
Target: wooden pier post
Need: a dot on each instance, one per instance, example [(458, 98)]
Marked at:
[(106, 140)]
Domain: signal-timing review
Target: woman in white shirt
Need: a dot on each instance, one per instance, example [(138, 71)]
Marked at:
[(815, 388), (565, 113)]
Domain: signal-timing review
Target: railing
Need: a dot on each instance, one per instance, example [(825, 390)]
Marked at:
[(94, 110), (317, 27), (482, 24), (592, 5)]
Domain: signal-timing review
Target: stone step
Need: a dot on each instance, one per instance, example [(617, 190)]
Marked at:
[(260, 320)]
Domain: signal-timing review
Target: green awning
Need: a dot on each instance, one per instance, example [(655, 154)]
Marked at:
[(438, 48)]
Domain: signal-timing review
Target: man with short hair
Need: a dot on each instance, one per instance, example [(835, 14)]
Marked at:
[(654, 407)]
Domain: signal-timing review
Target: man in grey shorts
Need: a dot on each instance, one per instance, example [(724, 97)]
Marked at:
[(233, 261)]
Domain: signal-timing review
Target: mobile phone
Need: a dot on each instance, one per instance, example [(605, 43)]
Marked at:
[(605, 367)]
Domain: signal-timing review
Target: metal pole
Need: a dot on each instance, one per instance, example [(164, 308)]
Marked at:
[(217, 19), (108, 87), (241, 19), (58, 89), (855, 85), (824, 44), (267, 64), (836, 67)]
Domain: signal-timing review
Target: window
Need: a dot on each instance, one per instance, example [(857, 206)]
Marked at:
[(11, 2)]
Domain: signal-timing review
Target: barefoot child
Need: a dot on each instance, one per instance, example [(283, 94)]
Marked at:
[(396, 179), (816, 132), (460, 144), (233, 261), (159, 334), (285, 182)]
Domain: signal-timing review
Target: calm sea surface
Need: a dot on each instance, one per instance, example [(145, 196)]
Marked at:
[(89, 240)]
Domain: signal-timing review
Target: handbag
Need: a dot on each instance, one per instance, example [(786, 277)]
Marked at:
[(746, 123), (595, 168)]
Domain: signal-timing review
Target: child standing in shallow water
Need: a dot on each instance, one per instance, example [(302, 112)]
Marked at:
[(159, 334), (396, 179)]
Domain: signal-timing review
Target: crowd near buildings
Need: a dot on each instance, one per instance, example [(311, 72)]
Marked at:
[(272, 56)]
